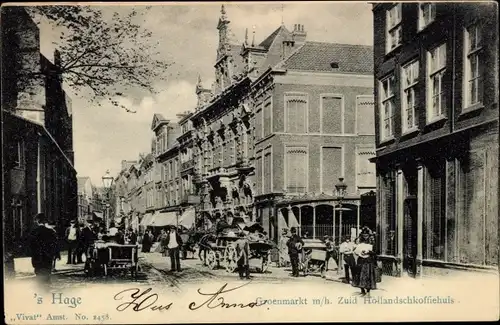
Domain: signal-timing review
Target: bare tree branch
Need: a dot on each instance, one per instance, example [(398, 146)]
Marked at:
[(105, 54)]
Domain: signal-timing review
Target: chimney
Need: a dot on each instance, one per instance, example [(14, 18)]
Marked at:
[(299, 34), (124, 164)]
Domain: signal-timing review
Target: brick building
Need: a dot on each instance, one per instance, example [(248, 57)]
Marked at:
[(38, 166), (436, 91), (279, 112)]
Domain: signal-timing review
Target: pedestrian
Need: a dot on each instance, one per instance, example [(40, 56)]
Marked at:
[(174, 242), (243, 252), (57, 255), (133, 237), (88, 238), (147, 242), (80, 249), (366, 263), (330, 254), (72, 235), (113, 230), (294, 244), (283, 251), (347, 249), (43, 245), (163, 242)]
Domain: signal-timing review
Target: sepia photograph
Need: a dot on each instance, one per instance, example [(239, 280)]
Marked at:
[(215, 162)]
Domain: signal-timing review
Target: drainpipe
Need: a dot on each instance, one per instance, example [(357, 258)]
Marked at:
[(38, 176), (453, 56)]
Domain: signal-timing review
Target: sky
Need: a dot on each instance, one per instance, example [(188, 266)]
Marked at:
[(104, 136)]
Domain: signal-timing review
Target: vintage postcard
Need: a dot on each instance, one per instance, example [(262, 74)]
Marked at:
[(210, 162)]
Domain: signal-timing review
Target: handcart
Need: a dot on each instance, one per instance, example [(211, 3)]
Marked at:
[(106, 256)]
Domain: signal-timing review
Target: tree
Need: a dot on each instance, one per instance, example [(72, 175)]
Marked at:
[(104, 53)]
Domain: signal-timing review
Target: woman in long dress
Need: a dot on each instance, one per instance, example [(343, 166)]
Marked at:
[(147, 242), (366, 265)]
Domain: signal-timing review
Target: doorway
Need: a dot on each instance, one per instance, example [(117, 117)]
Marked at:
[(410, 232)]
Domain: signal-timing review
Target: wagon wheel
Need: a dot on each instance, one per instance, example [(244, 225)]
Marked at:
[(211, 259), (230, 259), (265, 263)]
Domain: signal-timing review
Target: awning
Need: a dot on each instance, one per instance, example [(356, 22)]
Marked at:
[(98, 215), (188, 218), (146, 219), (161, 219), (292, 221), (281, 220)]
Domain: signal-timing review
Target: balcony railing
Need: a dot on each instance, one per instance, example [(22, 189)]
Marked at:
[(187, 165)]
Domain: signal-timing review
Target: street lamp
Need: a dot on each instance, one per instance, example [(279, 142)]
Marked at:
[(341, 191), (107, 181)]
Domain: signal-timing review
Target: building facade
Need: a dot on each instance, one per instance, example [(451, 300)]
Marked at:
[(313, 125), (285, 119), (39, 174), (85, 196), (436, 93)]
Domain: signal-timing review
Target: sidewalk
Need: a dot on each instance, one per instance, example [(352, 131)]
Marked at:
[(24, 269)]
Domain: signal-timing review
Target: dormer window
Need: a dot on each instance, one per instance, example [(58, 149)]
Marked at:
[(334, 65)]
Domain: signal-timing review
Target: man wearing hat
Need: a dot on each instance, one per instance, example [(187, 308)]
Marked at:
[(72, 236), (43, 248), (243, 251), (347, 249), (295, 244), (174, 243)]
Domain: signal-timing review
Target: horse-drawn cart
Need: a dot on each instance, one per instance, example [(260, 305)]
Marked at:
[(105, 256), (216, 251)]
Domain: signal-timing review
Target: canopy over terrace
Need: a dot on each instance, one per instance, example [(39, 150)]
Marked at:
[(320, 215)]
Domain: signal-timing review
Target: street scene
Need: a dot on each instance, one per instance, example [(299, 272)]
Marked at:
[(351, 147)]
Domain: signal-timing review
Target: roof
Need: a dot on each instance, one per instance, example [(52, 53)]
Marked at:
[(317, 56), (266, 44), (158, 120)]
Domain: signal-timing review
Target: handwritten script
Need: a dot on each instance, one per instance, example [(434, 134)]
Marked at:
[(139, 300), (216, 299), (136, 299)]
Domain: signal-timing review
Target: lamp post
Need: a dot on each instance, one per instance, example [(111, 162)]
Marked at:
[(107, 181), (341, 191)]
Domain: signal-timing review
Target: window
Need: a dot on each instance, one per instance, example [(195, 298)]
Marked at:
[(365, 170), (387, 107), (267, 119), (388, 220), (296, 169), (393, 33), (365, 112), (472, 203), (296, 113), (426, 14), (472, 70), (410, 81), (332, 114), (435, 212), (435, 91), (19, 154)]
